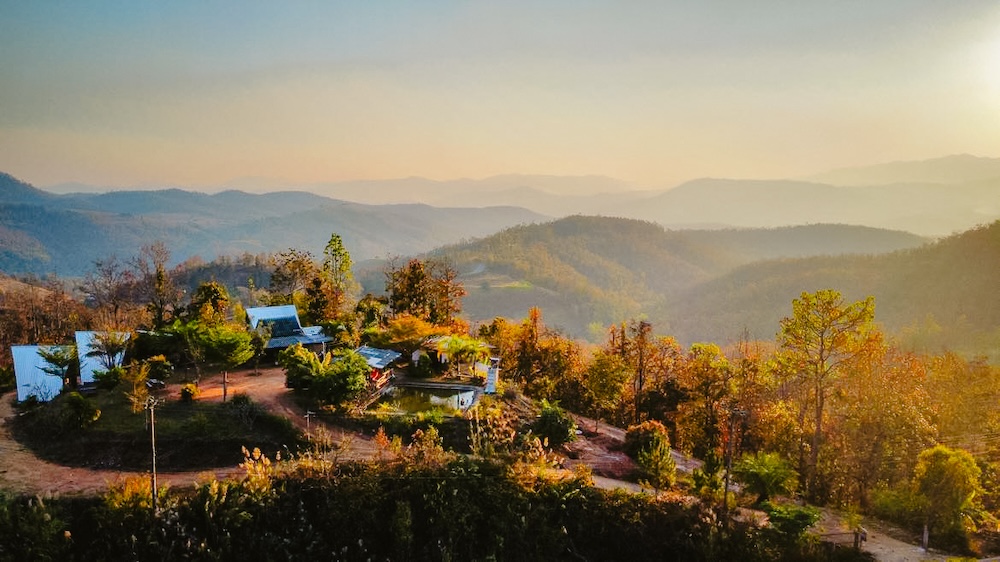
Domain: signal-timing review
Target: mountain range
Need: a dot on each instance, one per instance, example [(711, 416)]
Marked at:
[(720, 285), (935, 197)]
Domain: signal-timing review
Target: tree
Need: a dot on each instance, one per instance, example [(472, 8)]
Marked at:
[(156, 285), (604, 380), (343, 380), (657, 463), (707, 383), (337, 268), (293, 269), (817, 341), (428, 290), (331, 380), (765, 474), (210, 302), (108, 289), (61, 361), (108, 348), (462, 350), (948, 481)]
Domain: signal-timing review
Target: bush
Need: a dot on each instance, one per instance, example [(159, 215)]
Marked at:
[(109, 379), (790, 521), (765, 474), (189, 392), (78, 412), (159, 368), (554, 425), (639, 437)]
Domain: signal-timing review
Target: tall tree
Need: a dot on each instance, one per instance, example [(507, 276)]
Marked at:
[(337, 264), (155, 284), (820, 337), (428, 290), (293, 269), (108, 288)]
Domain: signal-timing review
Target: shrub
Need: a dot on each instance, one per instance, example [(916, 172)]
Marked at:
[(790, 521), (109, 379), (554, 425), (765, 474), (639, 437), (189, 392), (78, 411), (159, 368)]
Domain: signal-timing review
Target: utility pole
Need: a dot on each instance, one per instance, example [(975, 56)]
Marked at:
[(151, 404)]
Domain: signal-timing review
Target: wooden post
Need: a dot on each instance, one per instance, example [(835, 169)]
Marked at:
[(151, 405), (225, 385)]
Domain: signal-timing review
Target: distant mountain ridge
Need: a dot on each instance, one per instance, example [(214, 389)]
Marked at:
[(44, 233), (936, 197)]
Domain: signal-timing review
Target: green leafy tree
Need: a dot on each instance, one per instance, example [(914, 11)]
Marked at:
[(948, 481), (62, 362), (210, 302), (765, 474), (657, 463), (605, 380), (817, 341), (301, 366), (336, 269), (108, 348)]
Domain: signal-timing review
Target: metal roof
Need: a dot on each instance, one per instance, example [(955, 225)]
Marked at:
[(84, 345), (256, 314), (378, 358), (31, 379)]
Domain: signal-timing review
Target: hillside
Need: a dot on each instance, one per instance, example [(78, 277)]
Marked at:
[(942, 294), (44, 233), (584, 270)]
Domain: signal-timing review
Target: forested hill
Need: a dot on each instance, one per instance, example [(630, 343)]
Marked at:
[(940, 295), (64, 234), (584, 270)]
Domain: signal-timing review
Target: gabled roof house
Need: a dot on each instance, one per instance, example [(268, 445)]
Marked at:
[(286, 330)]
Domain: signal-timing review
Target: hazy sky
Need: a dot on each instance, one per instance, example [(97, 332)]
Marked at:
[(197, 93)]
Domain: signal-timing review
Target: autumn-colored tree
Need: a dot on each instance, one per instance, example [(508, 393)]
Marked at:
[(707, 383), (882, 421), (210, 303), (820, 337), (39, 314), (428, 290)]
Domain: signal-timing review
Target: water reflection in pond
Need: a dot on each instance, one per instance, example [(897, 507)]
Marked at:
[(411, 399)]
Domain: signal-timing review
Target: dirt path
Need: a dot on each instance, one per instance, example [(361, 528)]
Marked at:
[(22, 472)]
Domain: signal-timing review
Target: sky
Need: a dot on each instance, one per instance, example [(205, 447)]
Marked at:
[(198, 93)]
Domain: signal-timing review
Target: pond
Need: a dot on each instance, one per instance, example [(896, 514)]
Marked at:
[(411, 400)]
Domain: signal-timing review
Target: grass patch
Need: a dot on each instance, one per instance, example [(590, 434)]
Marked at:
[(189, 436)]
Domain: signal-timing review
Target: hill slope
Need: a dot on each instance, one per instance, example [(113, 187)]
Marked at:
[(584, 270), (942, 294)]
